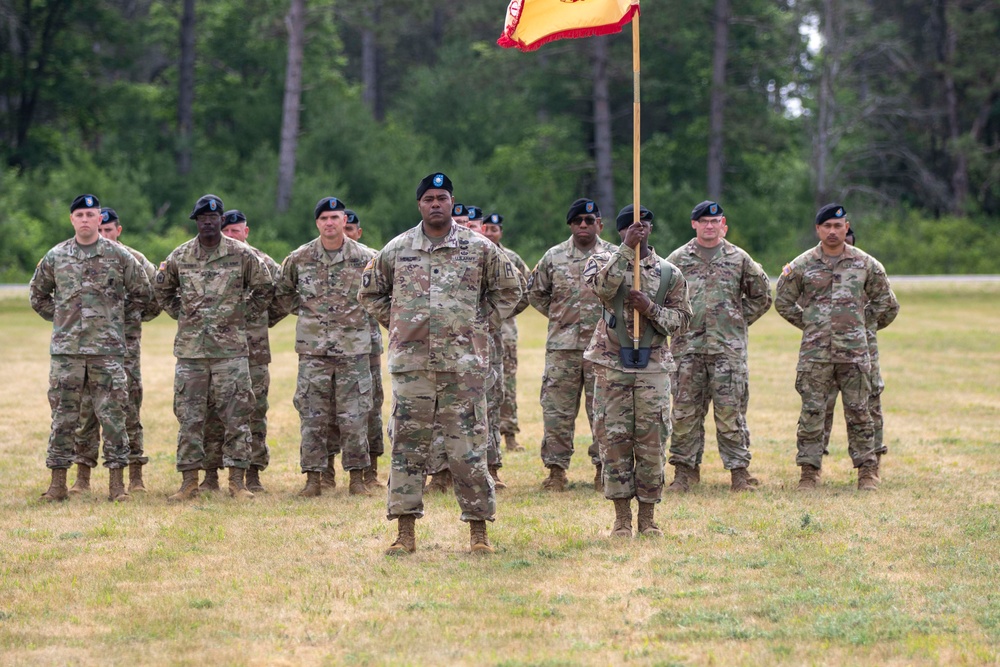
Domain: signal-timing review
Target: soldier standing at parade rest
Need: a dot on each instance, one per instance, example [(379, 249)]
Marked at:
[(319, 283), (213, 286), (376, 439), (88, 435), (729, 292), (829, 292), (88, 287), (632, 391), (428, 287), (235, 226), (556, 289), (493, 230)]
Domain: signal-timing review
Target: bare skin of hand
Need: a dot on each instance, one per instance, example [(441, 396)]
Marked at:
[(639, 301)]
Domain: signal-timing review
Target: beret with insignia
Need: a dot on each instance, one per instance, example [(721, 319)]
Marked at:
[(626, 215), (233, 217), (830, 211), (494, 219), (328, 204), (352, 217), (707, 207), (582, 206), (437, 181), (207, 204), (458, 210), (108, 215), (474, 212), (84, 201)]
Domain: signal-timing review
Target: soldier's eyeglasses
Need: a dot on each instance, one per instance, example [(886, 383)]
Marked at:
[(584, 220)]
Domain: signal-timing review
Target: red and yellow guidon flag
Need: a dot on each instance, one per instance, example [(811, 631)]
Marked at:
[(531, 23)]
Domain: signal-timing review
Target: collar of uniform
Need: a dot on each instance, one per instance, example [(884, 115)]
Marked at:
[(322, 256), (220, 250), (693, 245), (599, 246), (850, 252), (651, 259), (422, 242), (98, 247)]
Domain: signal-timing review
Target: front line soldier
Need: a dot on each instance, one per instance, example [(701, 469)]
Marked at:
[(88, 287), (213, 286)]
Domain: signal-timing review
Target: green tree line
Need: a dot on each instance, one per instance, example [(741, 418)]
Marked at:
[(773, 107)]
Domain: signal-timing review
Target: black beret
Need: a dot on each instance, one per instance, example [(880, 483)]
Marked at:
[(851, 234), (494, 219), (707, 207), (474, 212), (352, 217), (436, 181), (328, 204), (232, 217), (581, 206), (458, 210), (626, 216), (830, 211), (207, 204), (84, 201), (108, 215)]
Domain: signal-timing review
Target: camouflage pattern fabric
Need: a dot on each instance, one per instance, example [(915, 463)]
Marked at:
[(815, 382), (87, 437), (222, 382), (213, 294), (258, 343), (508, 333), (874, 403), (494, 399), (134, 317), (376, 439), (449, 408), (215, 431), (567, 377), (333, 396), (632, 424), (102, 378)]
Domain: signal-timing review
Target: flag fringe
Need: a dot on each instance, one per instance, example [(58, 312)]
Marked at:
[(506, 42)]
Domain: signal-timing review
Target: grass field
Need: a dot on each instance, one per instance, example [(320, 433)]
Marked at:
[(909, 575)]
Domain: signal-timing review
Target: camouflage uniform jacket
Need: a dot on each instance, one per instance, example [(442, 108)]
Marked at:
[(604, 273), (135, 318), (323, 292), (556, 289), (88, 299), (437, 301), (376, 329), (509, 329), (258, 342), (212, 295), (827, 300), (728, 294)]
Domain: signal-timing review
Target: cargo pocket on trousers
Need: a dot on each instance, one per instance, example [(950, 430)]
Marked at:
[(365, 400)]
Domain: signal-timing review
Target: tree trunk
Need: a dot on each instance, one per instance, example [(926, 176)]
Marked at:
[(716, 114), (295, 21), (825, 101), (369, 64), (185, 93), (602, 127)]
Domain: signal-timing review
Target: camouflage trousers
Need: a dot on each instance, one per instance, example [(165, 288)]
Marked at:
[(334, 398), (215, 432), (508, 408), (701, 379), (631, 427), (874, 407), (225, 383), (494, 402), (448, 409), (376, 441), (71, 377), (87, 438), (567, 375), (815, 382)]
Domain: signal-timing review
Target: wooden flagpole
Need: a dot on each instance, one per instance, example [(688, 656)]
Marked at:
[(636, 279)]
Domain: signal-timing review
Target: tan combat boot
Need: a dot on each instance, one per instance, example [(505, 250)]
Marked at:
[(809, 479), (648, 527), (512, 444), (135, 484), (253, 480), (328, 478), (82, 483), (868, 477), (694, 475), (189, 487), (556, 481), (57, 487), (495, 474), (237, 484), (682, 479), (406, 540), (357, 486), (211, 481), (623, 518), (116, 485), (440, 482), (740, 480), (599, 478), (314, 485), (479, 543), (371, 476)]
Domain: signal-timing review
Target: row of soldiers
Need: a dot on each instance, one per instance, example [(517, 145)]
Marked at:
[(448, 297)]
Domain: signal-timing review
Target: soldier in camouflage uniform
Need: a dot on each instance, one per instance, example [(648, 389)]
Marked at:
[(333, 337), (829, 293), (729, 292), (376, 439), (557, 290), (88, 287), (493, 230), (632, 397), (427, 287), (234, 226), (213, 286), (88, 435)]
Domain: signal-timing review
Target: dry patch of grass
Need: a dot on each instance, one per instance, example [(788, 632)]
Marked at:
[(905, 576)]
